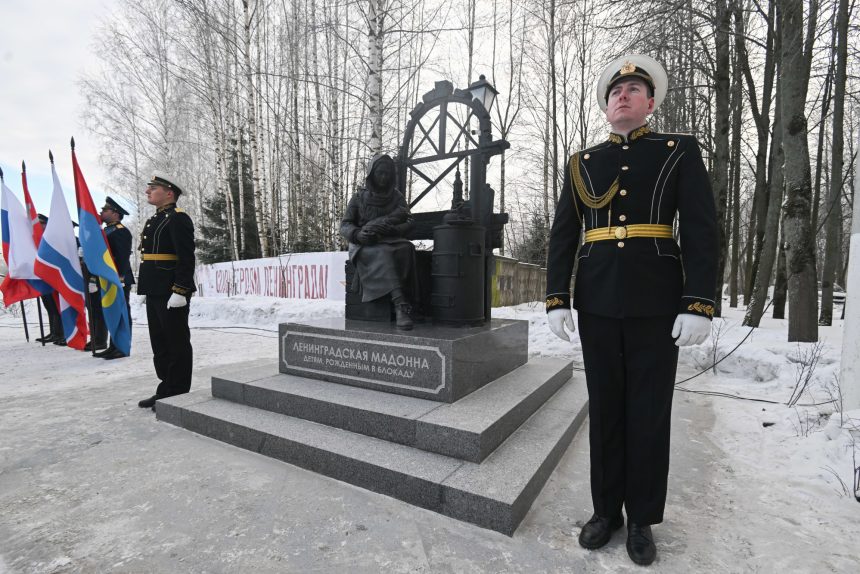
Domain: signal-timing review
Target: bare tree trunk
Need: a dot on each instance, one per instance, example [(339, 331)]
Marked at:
[(735, 163), (375, 35), (799, 237), (547, 168), (297, 189), (820, 148), (553, 164), (833, 216), (780, 283), (239, 154), (771, 225), (259, 214), (721, 141), (758, 216), (338, 207)]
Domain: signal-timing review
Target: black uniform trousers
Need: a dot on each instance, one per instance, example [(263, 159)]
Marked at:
[(630, 367), (55, 322), (98, 327), (170, 338)]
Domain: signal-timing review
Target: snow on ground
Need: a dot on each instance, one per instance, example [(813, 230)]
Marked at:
[(794, 463), (810, 441)]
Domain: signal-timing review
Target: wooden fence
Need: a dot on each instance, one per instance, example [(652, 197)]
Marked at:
[(516, 282)]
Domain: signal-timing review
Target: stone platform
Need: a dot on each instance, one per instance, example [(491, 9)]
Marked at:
[(432, 362), (495, 493), (468, 428)]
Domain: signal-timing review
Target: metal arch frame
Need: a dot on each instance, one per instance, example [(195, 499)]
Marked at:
[(441, 97)]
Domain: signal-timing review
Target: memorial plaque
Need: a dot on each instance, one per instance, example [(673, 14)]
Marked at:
[(390, 364), (435, 362)]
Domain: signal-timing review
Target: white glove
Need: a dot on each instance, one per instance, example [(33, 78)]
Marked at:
[(176, 300), (558, 319), (690, 329), (92, 287)]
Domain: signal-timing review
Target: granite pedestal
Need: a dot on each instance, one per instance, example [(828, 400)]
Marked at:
[(473, 434), (432, 362)]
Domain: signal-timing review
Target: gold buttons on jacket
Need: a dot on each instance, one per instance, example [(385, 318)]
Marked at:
[(670, 143), (622, 218), (624, 168), (623, 192), (620, 232), (620, 244), (586, 156), (625, 147)]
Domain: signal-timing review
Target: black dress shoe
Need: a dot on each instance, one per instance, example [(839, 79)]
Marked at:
[(99, 346), (49, 338), (60, 341), (107, 351), (640, 544), (149, 403), (597, 531), (114, 354)]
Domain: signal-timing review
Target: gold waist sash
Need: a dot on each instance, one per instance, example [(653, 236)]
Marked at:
[(160, 257), (626, 231)]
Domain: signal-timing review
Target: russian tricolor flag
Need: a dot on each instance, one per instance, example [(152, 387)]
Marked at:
[(19, 251), (57, 263)]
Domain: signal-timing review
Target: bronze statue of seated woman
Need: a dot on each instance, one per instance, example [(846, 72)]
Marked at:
[(376, 220)]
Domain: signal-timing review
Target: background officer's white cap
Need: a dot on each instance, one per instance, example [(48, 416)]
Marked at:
[(636, 66), (167, 181)]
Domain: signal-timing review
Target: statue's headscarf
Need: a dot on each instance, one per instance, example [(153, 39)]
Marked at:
[(376, 196)]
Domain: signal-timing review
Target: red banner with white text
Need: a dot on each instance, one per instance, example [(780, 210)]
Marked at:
[(292, 276)]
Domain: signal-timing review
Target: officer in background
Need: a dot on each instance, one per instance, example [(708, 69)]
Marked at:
[(166, 278), (119, 242), (639, 296)]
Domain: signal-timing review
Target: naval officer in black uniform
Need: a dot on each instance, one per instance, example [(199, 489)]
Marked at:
[(166, 278), (119, 242), (637, 293)]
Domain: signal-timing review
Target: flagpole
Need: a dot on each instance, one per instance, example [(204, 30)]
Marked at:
[(23, 310), (39, 298), (24, 320)]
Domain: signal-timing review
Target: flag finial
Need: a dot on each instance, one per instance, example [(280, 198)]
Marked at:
[(73, 143), (51, 156), (1, 173), (23, 167)]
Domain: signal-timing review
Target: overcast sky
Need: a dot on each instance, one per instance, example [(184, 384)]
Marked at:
[(44, 48)]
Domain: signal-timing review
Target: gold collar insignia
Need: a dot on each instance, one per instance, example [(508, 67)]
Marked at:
[(632, 136)]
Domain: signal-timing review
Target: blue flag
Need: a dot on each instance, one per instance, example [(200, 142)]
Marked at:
[(99, 261)]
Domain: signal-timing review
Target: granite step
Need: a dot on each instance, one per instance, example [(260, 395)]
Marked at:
[(495, 494), (469, 429)]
